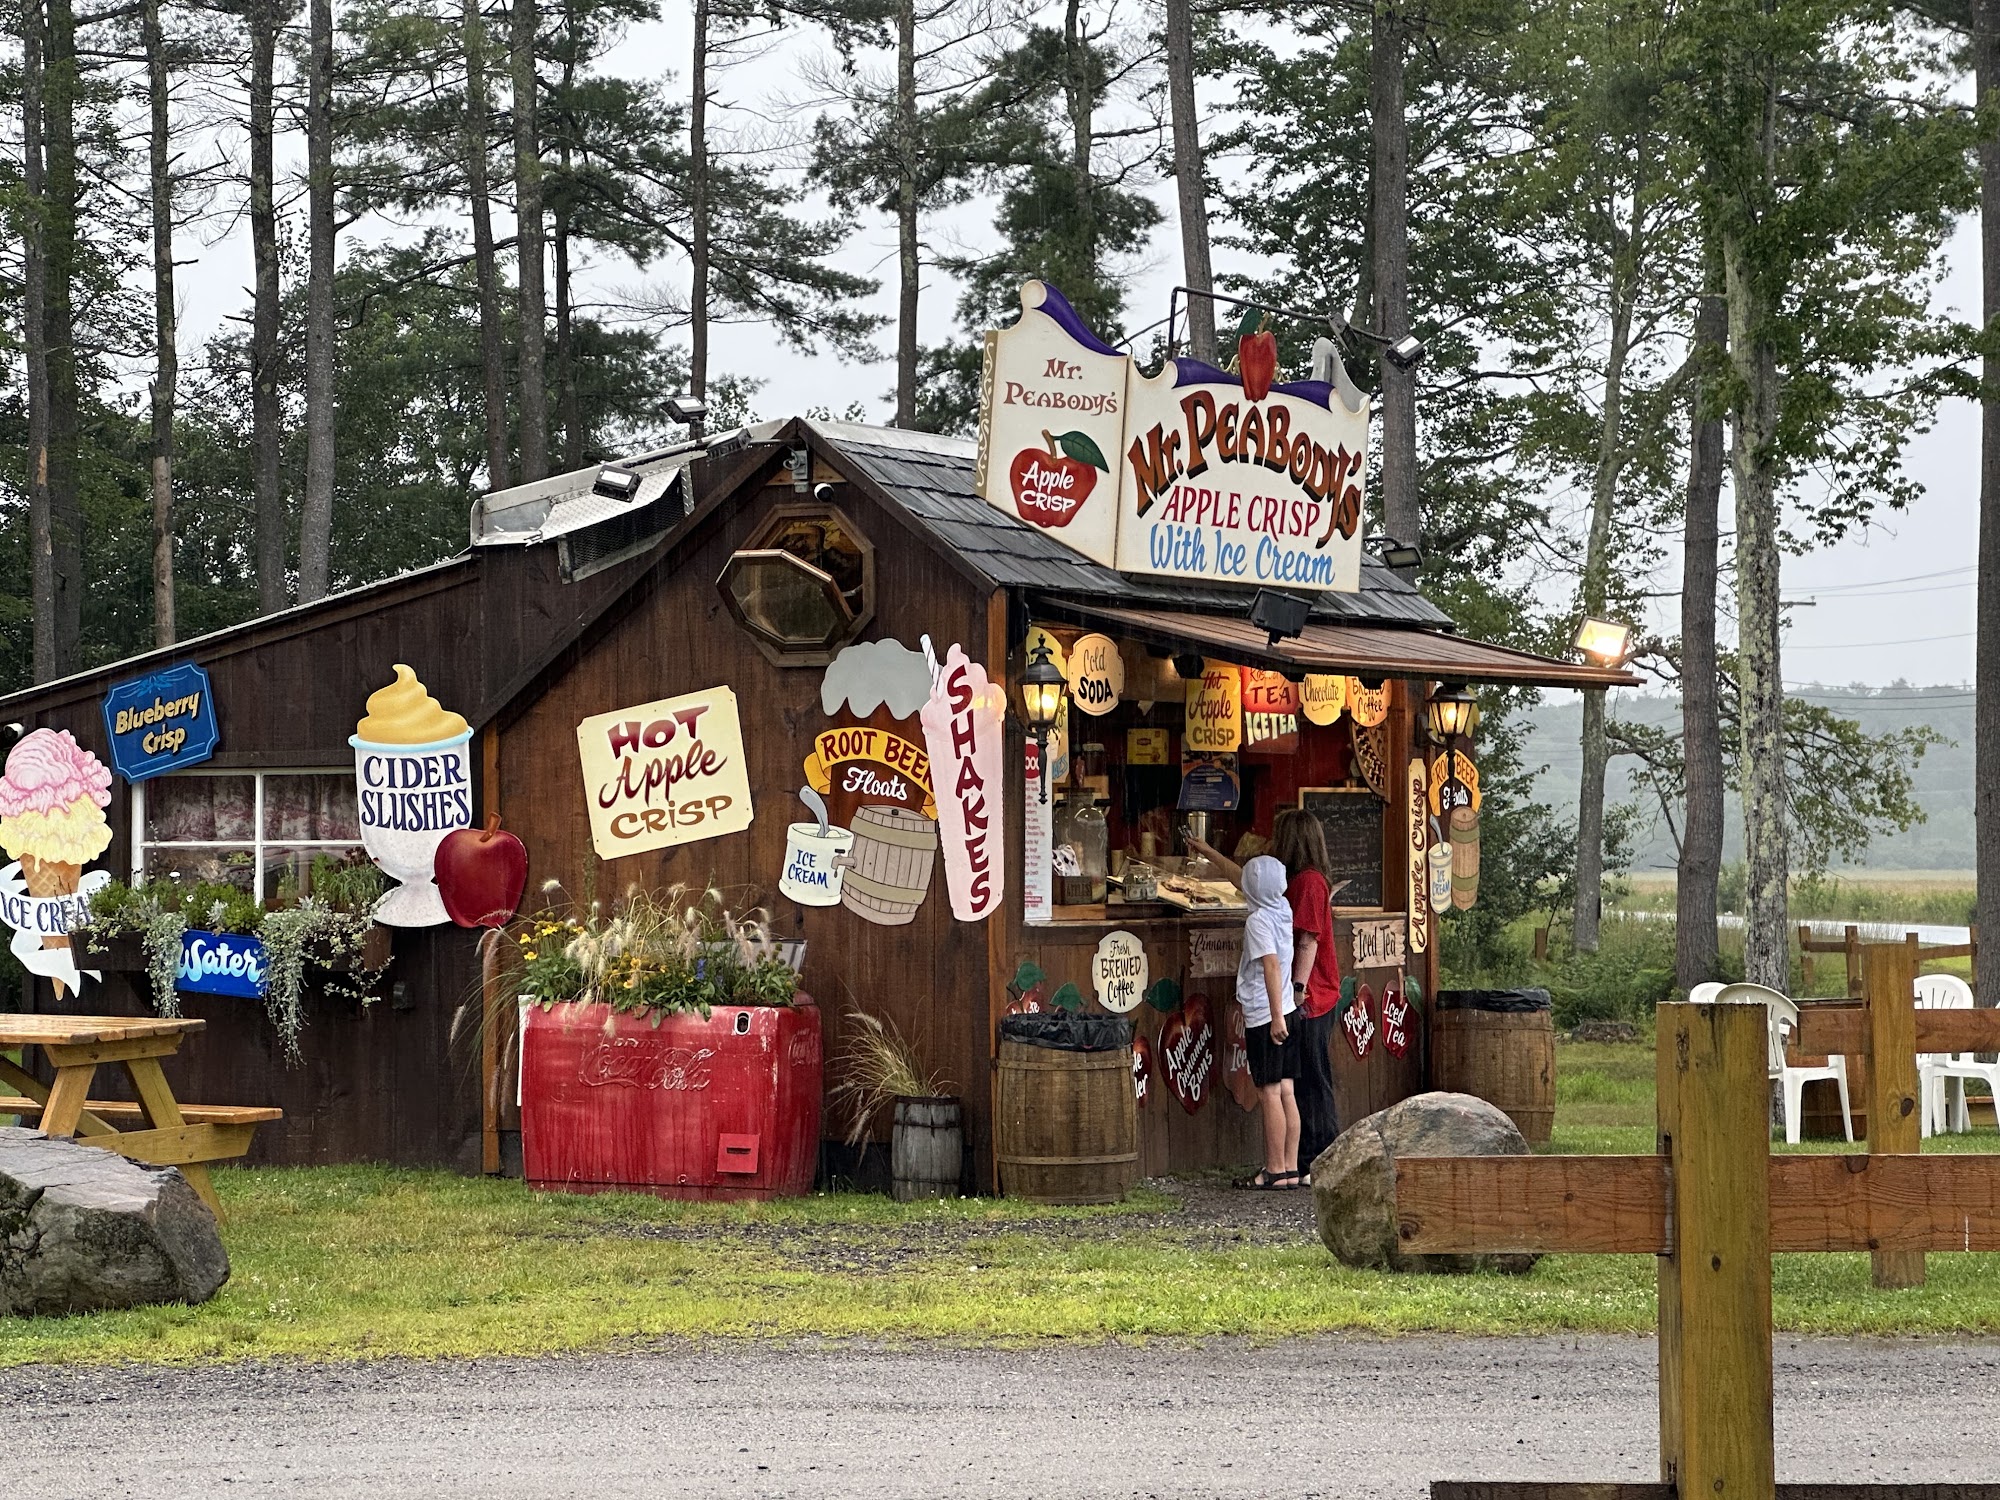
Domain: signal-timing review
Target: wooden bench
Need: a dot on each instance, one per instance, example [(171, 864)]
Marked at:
[(208, 1132)]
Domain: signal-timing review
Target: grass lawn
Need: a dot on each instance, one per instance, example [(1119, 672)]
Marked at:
[(337, 1263)]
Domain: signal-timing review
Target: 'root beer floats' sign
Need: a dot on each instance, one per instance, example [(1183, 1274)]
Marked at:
[(1206, 479), (664, 773)]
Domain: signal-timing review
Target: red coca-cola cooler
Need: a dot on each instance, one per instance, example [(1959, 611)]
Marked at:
[(727, 1107)]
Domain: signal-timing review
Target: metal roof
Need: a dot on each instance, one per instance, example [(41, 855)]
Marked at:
[(930, 478), (1351, 650), (564, 504)]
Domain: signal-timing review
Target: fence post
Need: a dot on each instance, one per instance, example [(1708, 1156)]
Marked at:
[(1894, 1126), (1716, 1430), (1853, 936)]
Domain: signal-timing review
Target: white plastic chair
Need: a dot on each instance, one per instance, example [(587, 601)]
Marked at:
[(1937, 1071), (1704, 994), (1783, 1019)]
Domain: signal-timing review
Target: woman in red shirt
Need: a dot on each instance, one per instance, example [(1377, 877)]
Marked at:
[(1300, 843)]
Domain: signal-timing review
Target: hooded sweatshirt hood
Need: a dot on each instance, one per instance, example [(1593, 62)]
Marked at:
[(1264, 882)]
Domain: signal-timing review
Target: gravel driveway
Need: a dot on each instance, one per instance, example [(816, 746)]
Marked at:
[(1344, 1418)]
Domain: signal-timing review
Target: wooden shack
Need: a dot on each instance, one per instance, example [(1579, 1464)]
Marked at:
[(753, 562)]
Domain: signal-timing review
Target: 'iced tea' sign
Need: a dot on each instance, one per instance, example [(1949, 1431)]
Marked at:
[(665, 773)]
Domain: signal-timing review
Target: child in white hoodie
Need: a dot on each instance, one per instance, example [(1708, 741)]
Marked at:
[(1264, 990)]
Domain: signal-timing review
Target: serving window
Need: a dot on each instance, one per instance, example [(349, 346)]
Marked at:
[(1132, 782)]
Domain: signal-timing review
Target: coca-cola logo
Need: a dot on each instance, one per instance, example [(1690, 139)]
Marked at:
[(628, 1061)]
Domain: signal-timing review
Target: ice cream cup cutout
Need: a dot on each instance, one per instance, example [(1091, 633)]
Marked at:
[(816, 857), (413, 770)]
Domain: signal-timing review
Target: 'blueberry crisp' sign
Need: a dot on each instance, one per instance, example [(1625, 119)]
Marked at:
[(161, 723)]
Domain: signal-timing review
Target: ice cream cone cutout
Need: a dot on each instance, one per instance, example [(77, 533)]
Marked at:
[(52, 800)]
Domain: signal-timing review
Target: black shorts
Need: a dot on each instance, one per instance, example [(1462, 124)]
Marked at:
[(1272, 1062)]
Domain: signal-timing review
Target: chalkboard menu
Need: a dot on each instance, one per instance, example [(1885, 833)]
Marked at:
[(1352, 818)]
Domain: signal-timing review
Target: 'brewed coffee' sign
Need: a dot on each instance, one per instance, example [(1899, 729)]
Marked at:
[(664, 773), (1118, 970)]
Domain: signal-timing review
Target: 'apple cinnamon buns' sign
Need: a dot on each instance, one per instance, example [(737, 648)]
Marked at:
[(1192, 473), (664, 773)]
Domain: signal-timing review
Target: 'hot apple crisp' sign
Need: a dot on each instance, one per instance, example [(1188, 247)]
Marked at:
[(664, 773), (1192, 473)]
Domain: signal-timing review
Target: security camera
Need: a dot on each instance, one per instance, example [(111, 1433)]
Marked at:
[(823, 493)]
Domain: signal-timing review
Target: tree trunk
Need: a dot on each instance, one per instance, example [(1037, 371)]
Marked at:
[(1190, 192), (698, 203), (273, 586), (566, 398), (492, 357), (1389, 242), (1695, 948), (34, 322), (1767, 955), (1589, 909), (528, 239), (316, 509), (1986, 778), (59, 94), (1077, 89), (909, 262), (166, 361)]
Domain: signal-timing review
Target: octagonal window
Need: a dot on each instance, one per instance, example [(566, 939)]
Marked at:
[(801, 586)]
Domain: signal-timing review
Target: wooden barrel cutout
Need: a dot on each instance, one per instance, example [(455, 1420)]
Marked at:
[(1498, 1045), (926, 1149), (894, 849), (1464, 857), (1068, 1126)]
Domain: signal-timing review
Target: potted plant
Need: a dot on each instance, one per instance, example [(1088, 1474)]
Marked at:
[(880, 1070), (325, 933), (665, 1047)]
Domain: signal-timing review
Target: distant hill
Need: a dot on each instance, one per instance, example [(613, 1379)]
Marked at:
[(1943, 778)]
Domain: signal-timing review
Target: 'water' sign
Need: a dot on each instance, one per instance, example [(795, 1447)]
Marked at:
[(221, 963), (161, 723)]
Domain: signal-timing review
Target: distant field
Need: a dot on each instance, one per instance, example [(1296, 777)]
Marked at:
[(1941, 896)]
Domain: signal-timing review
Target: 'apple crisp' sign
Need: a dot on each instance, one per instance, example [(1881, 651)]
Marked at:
[(1192, 473), (664, 773)]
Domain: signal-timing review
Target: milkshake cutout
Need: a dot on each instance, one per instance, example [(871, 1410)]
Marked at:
[(413, 773)]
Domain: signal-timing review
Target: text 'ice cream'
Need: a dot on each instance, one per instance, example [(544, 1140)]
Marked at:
[(52, 801), (404, 713)]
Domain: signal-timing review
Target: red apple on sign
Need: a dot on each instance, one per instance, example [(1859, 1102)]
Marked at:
[(1187, 1052), (481, 874), (1051, 483)]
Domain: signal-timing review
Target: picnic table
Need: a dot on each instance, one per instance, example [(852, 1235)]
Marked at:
[(187, 1136)]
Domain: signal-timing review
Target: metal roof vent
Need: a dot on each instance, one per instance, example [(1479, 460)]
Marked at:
[(631, 531)]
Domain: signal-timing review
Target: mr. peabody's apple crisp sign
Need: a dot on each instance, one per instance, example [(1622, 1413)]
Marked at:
[(1193, 473)]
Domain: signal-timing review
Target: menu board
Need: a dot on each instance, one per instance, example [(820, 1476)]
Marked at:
[(1352, 819)]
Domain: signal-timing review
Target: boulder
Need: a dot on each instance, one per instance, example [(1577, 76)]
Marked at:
[(1354, 1179), (82, 1230)]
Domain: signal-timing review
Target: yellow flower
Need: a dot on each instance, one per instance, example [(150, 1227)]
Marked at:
[(529, 954)]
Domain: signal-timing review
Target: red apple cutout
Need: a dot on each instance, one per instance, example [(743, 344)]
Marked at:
[(1051, 484), (1236, 1060), (1187, 1052), (481, 874)]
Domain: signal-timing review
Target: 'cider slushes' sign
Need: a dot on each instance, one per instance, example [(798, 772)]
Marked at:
[(664, 773), (1187, 473)]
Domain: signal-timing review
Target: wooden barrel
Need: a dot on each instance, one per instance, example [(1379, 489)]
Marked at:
[(1500, 1046), (926, 1149), (890, 868), (1464, 857), (1068, 1127)]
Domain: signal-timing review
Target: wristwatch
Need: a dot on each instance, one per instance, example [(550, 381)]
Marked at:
[(1298, 986)]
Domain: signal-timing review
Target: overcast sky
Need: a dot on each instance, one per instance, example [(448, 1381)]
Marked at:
[(1895, 603)]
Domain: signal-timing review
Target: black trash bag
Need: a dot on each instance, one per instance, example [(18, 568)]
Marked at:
[(1508, 1002), (1068, 1031)]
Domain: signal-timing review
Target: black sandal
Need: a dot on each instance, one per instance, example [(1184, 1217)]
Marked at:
[(1264, 1181)]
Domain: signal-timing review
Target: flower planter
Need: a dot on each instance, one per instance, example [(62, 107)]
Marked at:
[(123, 954), (376, 950), (728, 1107)]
